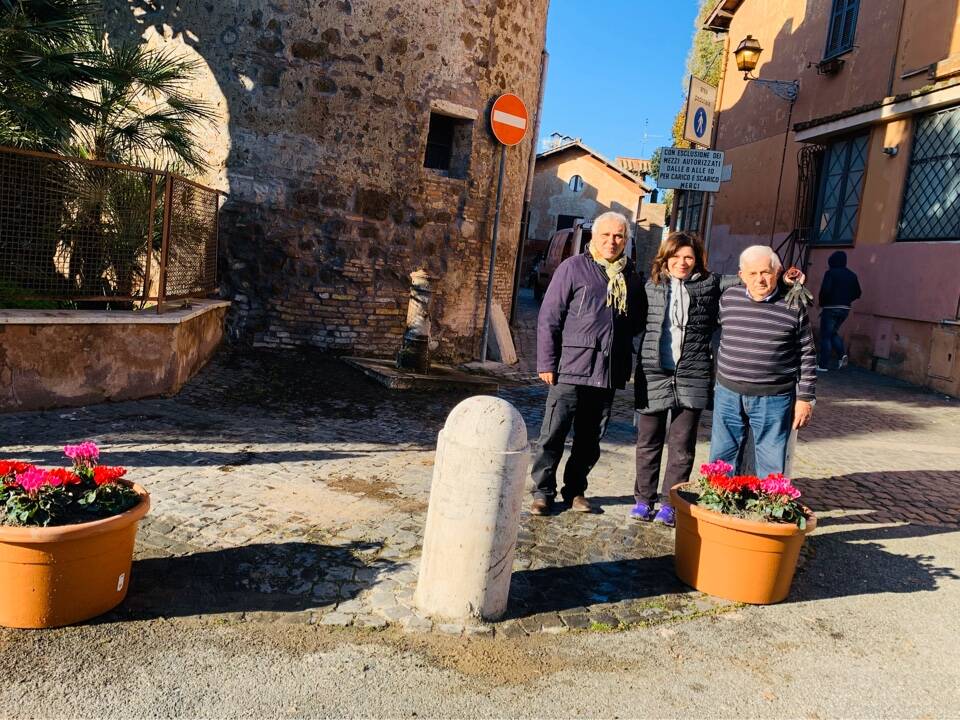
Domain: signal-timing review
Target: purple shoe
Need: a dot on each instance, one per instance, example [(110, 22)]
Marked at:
[(642, 511), (666, 515)]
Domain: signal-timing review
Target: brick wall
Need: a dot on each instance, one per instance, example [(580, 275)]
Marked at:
[(324, 109)]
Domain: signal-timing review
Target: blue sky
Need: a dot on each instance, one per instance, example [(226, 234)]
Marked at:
[(613, 64)]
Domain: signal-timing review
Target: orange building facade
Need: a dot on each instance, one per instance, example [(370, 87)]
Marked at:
[(866, 159)]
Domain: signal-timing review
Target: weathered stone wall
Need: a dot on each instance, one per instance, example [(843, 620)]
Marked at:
[(326, 107)]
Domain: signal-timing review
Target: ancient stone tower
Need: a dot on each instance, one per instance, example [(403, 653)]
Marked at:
[(353, 142)]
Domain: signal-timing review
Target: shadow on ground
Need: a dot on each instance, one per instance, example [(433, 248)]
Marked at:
[(573, 561), (198, 458), (858, 563), (555, 589), (281, 577)]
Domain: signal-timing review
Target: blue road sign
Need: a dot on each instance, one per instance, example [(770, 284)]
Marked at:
[(700, 122)]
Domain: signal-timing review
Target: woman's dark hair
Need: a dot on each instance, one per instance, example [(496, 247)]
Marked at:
[(670, 246)]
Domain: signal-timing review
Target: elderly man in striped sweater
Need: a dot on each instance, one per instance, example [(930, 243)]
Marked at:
[(766, 366)]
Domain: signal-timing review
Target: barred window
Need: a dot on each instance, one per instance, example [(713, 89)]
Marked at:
[(841, 186), (931, 202), (843, 26)]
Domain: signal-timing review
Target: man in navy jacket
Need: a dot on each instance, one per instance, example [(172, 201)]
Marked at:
[(838, 290), (592, 309)]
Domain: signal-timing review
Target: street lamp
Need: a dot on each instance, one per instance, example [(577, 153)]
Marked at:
[(747, 55)]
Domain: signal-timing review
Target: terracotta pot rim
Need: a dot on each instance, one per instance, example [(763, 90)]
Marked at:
[(59, 533), (752, 526)]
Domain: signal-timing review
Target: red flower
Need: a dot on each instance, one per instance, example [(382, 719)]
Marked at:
[(734, 484), (13, 467), (725, 483), (60, 476), (103, 474)]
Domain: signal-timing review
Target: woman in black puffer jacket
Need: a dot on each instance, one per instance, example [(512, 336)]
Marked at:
[(674, 375)]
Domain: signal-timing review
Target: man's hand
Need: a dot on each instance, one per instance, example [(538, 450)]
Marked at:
[(802, 412), (794, 275), (550, 378)]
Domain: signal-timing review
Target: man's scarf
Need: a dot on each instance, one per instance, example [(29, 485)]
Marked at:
[(616, 284)]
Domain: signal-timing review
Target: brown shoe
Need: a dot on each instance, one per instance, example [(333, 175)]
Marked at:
[(540, 506), (581, 504)]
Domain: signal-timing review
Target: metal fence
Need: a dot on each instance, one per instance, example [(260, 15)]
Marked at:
[(84, 230)]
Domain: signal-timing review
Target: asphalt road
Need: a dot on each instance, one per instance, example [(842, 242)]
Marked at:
[(871, 632)]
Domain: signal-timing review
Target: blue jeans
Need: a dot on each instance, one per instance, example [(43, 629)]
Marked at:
[(830, 321), (770, 417)]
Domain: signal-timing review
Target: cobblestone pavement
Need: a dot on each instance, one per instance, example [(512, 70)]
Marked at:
[(287, 487)]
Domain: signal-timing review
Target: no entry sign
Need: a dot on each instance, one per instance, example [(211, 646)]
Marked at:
[(508, 119)]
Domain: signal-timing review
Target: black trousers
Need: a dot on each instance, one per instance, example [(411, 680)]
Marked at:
[(587, 410), (681, 444)]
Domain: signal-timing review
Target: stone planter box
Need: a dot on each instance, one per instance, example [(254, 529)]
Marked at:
[(65, 358)]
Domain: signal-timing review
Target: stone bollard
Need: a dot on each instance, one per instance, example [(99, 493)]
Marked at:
[(474, 512), (414, 351)]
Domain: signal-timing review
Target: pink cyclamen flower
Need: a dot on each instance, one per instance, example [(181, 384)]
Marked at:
[(33, 479), (83, 453), (777, 484), (717, 467)]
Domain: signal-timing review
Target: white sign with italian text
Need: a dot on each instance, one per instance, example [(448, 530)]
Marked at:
[(699, 170)]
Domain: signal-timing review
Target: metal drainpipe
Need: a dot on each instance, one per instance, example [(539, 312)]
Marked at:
[(783, 162), (896, 50), (528, 191)]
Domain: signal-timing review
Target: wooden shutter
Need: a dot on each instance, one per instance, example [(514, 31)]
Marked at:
[(849, 24), (843, 25)]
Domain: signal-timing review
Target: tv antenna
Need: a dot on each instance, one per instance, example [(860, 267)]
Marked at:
[(646, 136)]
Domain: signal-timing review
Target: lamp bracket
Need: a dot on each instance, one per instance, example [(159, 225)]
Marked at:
[(784, 89)]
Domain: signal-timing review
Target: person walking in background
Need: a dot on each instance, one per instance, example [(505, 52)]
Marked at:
[(766, 366), (840, 287), (590, 314)]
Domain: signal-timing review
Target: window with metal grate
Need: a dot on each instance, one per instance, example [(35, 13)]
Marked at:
[(931, 200), (689, 207), (841, 187)]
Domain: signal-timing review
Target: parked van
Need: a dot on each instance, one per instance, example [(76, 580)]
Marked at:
[(563, 244)]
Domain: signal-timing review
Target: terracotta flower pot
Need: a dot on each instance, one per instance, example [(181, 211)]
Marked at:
[(741, 560), (52, 576)]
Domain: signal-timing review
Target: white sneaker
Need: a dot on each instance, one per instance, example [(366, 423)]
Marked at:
[(820, 369), (843, 362)]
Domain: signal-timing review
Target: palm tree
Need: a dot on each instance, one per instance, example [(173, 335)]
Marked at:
[(144, 115), (64, 88), (45, 62), (144, 112)]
